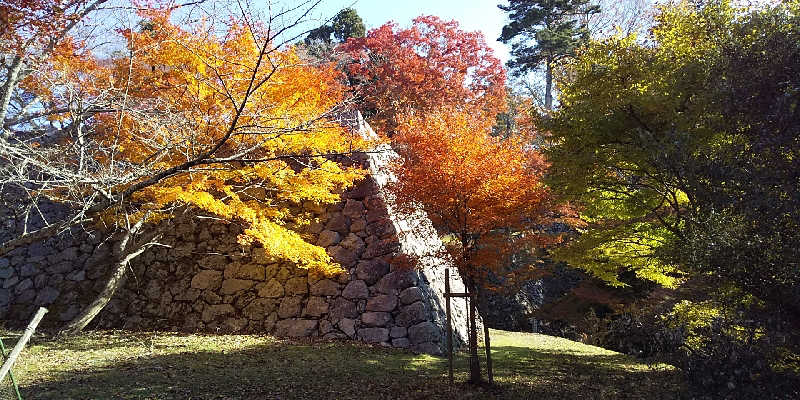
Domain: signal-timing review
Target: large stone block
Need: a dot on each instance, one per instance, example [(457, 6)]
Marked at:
[(398, 331), (371, 271), (354, 243), (66, 266), (412, 314), (290, 307), (343, 308), (272, 289), (260, 308), (25, 297), (8, 283), (207, 279), (411, 295), (364, 188), (424, 332), (396, 281), (46, 296), (356, 289), (376, 318), (381, 247), (296, 286), (358, 225), (40, 281), (353, 208), (339, 223), (213, 312), (215, 261), (27, 270), (374, 335), (77, 275), (251, 271), (347, 326), (23, 286), (231, 270), (325, 287), (382, 229), (328, 238), (315, 307), (343, 255), (231, 286), (235, 324), (382, 302), (296, 327)]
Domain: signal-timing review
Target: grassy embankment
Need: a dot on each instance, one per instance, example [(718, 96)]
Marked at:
[(126, 365)]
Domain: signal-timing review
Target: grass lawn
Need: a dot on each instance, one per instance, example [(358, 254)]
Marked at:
[(159, 365)]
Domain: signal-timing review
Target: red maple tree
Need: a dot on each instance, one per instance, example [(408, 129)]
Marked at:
[(425, 67)]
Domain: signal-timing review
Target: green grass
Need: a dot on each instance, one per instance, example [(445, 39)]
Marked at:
[(159, 365)]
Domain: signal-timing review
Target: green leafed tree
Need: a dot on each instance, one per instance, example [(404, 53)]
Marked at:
[(543, 32), (683, 152), (346, 24)]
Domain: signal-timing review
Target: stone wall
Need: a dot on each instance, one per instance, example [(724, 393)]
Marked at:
[(206, 282)]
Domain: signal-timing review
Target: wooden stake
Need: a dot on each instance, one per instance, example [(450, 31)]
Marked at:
[(12, 358), (449, 325)]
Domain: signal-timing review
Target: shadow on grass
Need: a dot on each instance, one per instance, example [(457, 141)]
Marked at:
[(329, 370)]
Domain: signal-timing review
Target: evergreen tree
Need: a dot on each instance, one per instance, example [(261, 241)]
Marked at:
[(544, 32), (346, 24)]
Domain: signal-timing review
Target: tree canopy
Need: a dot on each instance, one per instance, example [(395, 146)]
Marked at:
[(483, 192), (544, 32), (230, 124), (685, 165), (432, 64), (345, 24)]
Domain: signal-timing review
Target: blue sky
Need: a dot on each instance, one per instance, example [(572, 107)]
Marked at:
[(472, 15)]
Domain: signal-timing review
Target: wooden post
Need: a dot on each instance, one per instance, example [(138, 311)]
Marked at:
[(10, 373), (12, 358), (449, 325), (488, 344)]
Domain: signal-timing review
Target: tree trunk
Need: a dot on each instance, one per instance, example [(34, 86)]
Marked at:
[(548, 89), (125, 252), (474, 361)]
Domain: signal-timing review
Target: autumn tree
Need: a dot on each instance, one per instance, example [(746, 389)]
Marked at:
[(686, 168), (430, 65), (220, 118), (543, 32), (483, 192)]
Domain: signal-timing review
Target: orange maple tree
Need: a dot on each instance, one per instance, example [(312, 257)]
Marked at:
[(430, 65), (485, 193)]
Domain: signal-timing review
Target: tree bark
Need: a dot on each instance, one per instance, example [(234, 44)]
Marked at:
[(474, 361), (548, 89), (126, 251)]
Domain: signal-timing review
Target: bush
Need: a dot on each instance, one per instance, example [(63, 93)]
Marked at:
[(721, 358)]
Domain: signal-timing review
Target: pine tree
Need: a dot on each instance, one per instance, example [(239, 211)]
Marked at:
[(544, 32)]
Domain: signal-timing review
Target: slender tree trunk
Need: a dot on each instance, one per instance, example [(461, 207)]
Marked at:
[(125, 252), (474, 361), (12, 78), (548, 89)]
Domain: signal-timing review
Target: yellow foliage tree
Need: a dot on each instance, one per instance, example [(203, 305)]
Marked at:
[(219, 118)]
